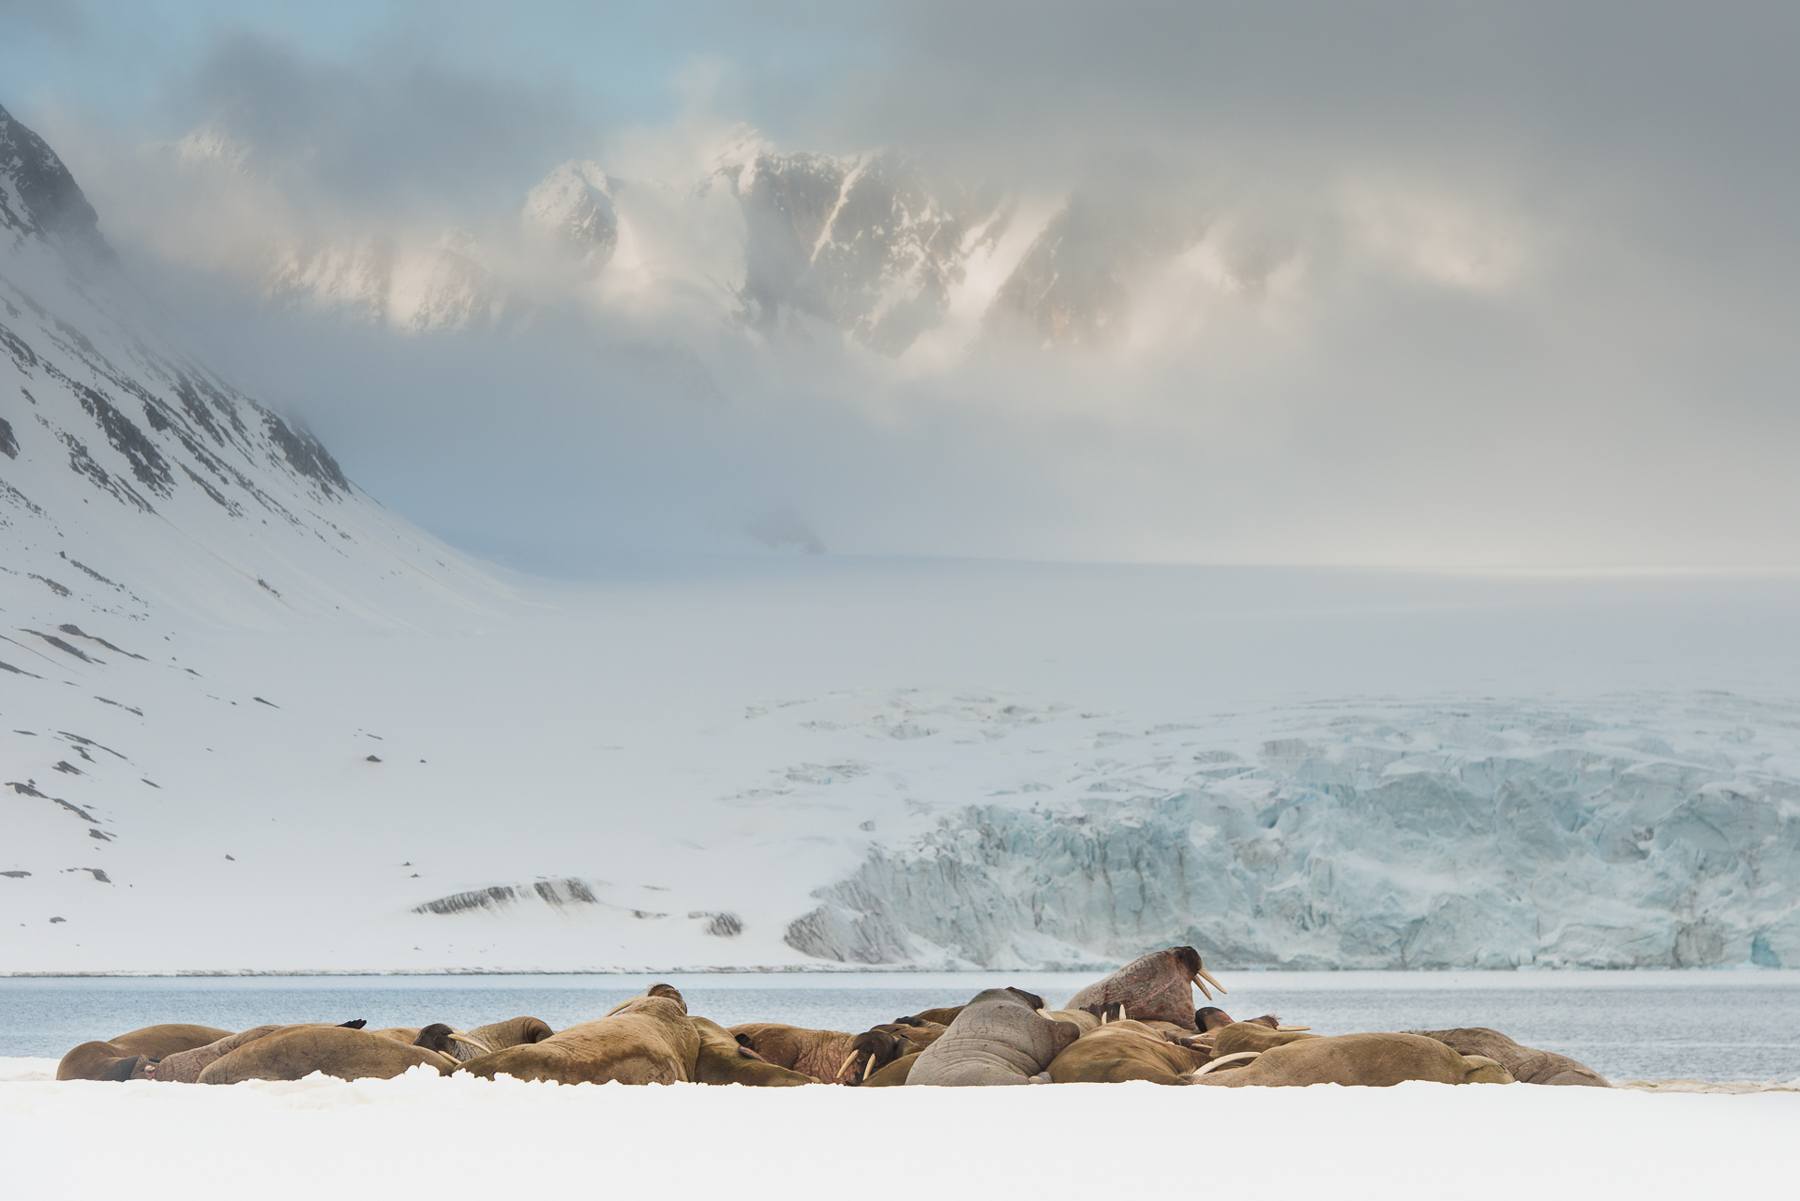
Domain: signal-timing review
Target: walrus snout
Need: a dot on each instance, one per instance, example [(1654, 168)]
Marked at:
[(1211, 1017)]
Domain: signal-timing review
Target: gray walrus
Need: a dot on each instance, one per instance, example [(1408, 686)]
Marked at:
[(1369, 1060), (1528, 1065), (296, 1052), (998, 1038), (1154, 987)]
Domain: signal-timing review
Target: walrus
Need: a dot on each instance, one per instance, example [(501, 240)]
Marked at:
[(941, 1016), (184, 1067), (1366, 1060), (998, 1038), (1125, 1050), (1256, 1035), (512, 1032), (894, 1074), (1154, 987), (822, 1054), (724, 1060), (879, 1046), (126, 1056), (645, 1040), (296, 1052), (1528, 1065), (453, 1044)]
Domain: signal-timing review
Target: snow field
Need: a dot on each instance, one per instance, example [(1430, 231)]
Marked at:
[(421, 1135)]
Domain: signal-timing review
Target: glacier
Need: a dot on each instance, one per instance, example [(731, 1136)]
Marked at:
[(1478, 836)]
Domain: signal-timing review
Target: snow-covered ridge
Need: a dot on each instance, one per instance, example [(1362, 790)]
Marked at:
[(869, 244)]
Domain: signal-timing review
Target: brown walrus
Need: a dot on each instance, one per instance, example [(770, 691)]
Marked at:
[(124, 1056), (1528, 1065), (724, 1060), (1154, 987), (646, 1040), (824, 1055), (1124, 1050), (895, 1073), (1367, 1060), (998, 1038), (1257, 1036), (881, 1045), (296, 1052), (941, 1016), (184, 1067)]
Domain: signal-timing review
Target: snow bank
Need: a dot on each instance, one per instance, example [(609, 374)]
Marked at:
[(425, 1136)]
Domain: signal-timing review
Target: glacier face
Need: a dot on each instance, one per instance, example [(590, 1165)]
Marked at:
[(1481, 836)]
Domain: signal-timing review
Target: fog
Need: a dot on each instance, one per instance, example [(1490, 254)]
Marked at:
[(1460, 286)]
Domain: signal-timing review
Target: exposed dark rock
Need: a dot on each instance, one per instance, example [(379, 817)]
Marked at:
[(98, 873), (15, 874), (305, 455), (50, 203), (371, 758), (63, 646), (99, 835), (18, 671), (75, 631), (106, 700), (46, 581), (67, 768), (9, 445), (271, 704)]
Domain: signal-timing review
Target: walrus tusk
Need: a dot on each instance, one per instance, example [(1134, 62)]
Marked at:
[(1197, 984), (1291, 1029), (1122, 1011), (1236, 1057), (480, 1047), (1202, 972), (839, 1073), (868, 1069)]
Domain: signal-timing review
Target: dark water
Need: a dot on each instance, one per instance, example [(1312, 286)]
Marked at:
[(1710, 1026)]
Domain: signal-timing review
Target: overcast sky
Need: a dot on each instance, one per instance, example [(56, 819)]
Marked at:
[(1537, 263)]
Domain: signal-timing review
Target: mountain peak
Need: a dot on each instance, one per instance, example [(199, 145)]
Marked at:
[(38, 196)]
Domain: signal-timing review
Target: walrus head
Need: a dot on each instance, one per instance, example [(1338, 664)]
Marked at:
[(133, 1067), (445, 1041), (869, 1051), (1030, 998), (669, 991), (1211, 1017)]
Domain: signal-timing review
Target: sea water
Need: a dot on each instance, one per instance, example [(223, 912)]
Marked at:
[(1742, 1025)]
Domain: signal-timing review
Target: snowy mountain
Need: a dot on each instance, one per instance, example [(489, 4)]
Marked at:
[(869, 244), (251, 721)]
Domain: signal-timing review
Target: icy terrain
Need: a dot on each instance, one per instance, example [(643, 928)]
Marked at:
[(324, 1137), (251, 721)]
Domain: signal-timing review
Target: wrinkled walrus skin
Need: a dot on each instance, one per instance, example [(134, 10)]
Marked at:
[(1361, 1060), (646, 1040), (1120, 1051), (298, 1051), (1154, 987), (184, 1067), (998, 1038), (1252, 1036), (1528, 1065), (818, 1053), (125, 1056), (724, 1060)]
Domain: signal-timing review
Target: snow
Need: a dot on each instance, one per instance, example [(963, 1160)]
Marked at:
[(458, 1137), (276, 727)]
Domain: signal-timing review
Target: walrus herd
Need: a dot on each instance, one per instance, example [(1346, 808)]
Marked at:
[(1137, 1024)]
